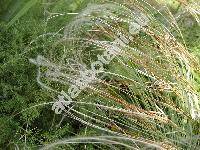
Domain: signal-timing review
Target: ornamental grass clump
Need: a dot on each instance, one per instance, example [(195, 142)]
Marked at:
[(119, 67)]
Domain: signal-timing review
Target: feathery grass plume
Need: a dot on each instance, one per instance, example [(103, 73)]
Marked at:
[(192, 7), (119, 68)]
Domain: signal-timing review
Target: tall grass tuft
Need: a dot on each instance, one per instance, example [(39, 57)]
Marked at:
[(144, 95)]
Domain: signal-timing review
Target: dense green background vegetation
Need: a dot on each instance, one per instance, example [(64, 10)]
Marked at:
[(21, 21), (18, 88)]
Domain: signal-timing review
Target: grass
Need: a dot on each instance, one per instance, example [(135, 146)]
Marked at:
[(22, 11), (146, 98)]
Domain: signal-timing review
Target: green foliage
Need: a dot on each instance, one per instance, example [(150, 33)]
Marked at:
[(22, 11), (20, 93), (26, 118)]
